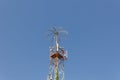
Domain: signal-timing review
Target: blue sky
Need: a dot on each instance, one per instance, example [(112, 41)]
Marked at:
[(93, 42)]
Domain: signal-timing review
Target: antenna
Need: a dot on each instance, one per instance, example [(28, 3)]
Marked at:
[(56, 34), (57, 55)]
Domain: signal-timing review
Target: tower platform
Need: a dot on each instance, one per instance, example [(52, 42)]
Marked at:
[(56, 55)]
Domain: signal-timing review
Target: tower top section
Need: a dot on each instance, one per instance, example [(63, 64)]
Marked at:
[(57, 54), (56, 34)]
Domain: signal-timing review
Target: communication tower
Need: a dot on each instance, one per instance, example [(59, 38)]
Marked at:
[(57, 56)]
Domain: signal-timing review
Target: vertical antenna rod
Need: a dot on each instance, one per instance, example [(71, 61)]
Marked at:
[(56, 34)]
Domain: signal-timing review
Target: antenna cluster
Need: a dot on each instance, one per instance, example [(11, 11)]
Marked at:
[(57, 56)]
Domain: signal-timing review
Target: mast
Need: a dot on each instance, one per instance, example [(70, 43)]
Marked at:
[(57, 57)]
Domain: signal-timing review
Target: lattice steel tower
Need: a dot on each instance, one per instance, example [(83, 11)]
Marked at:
[(57, 56)]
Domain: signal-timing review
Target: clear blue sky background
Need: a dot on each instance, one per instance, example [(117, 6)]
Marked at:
[(93, 41)]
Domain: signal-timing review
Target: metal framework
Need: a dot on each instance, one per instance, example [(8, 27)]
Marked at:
[(57, 58)]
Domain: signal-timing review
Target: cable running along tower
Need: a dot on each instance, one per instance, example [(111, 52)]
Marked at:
[(57, 56)]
